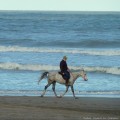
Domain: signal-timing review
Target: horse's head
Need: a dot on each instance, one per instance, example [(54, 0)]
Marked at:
[(83, 75)]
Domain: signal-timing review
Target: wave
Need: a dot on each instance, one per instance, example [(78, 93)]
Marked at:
[(87, 43), (54, 42), (109, 52), (38, 67), (101, 43)]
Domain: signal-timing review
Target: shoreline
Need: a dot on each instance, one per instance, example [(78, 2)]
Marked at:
[(49, 93), (34, 107), (67, 96)]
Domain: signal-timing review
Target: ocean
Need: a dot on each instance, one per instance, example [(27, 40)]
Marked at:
[(32, 42)]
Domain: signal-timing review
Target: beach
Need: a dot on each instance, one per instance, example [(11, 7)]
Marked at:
[(51, 108)]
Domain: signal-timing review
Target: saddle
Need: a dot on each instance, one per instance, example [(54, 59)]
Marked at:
[(65, 76), (60, 73)]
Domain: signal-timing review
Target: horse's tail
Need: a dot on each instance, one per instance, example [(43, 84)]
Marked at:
[(44, 75)]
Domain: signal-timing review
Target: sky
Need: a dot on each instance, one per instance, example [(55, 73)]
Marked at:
[(61, 5)]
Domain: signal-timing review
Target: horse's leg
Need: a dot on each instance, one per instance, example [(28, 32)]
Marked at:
[(53, 88), (45, 89), (65, 91), (73, 91)]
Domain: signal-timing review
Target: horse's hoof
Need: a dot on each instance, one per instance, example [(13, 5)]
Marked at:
[(76, 97), (59, 96)]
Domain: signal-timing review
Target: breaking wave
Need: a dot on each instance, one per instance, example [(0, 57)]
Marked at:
[(38, 67), (59, 50)]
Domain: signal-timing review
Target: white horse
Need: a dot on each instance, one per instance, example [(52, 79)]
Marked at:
[(54, 77)]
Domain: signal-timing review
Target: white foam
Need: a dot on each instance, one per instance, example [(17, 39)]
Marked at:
[(58, 50), (38, 67), (16, 66)]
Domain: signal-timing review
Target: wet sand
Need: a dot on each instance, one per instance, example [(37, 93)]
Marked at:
[(51, 108)]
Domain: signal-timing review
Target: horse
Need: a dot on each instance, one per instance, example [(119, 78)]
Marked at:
[(54, 77)]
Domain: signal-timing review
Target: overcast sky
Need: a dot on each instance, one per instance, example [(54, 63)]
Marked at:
[(61, 5)]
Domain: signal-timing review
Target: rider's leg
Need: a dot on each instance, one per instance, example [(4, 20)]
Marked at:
[(67, 77)]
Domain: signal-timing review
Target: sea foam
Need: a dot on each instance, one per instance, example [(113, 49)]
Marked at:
[(38, 67), (60, 50)]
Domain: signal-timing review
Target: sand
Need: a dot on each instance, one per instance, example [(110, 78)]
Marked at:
[(51, 108)]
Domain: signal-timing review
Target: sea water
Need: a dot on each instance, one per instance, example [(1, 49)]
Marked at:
[(32, 42)]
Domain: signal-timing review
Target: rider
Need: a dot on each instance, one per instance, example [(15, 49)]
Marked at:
[(64, 69)]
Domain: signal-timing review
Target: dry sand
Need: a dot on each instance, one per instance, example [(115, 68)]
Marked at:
[(51, 108)]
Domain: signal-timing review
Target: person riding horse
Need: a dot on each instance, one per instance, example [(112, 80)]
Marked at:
[(64, 69)]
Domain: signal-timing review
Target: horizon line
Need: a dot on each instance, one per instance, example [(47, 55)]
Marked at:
[(62, 10)]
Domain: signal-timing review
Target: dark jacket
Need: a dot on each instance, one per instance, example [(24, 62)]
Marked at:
[(63, 66)]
